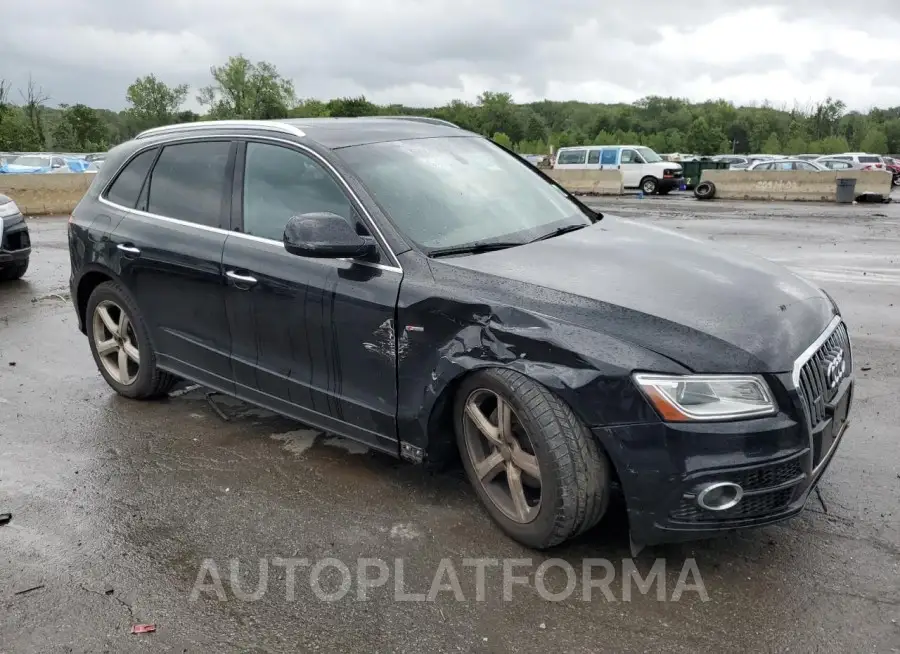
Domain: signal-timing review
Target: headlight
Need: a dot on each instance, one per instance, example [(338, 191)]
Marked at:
[(8, 209), (707, 397)]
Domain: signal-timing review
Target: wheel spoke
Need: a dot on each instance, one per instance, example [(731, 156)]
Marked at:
[(490, 467), (504, 420), (105, 348), (131, 351), (517, 492), (123, 324), (108, 321), (526, 462), (484, 425), (123, 366)]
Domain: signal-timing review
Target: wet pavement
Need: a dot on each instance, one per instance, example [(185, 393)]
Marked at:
[(117, 504)]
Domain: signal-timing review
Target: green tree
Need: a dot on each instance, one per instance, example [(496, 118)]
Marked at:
[(772, 145), (502, 139), (875, 141), (243, 89), (351, 107), (797, 145), (310, 108), (499, 114), (153, 102), (704, 139)]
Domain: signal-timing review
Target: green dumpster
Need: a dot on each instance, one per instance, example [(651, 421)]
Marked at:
[(693, 170)]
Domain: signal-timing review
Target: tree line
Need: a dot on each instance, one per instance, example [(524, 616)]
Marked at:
[(241, 88)]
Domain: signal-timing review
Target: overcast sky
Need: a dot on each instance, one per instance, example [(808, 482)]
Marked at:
[(427, 52)]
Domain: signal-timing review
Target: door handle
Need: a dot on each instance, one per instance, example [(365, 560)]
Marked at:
[(130, 249), (242, 279)]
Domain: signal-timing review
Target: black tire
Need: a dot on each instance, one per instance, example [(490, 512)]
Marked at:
[(575, 476), (150, 382), (705, 191), (14, 271), (649, 185)]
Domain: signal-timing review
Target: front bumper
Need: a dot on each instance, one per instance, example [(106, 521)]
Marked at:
[(15, 241), (776, 460), (667, 184)]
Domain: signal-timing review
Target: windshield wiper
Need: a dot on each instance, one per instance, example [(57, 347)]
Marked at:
[(559, 231), (476, 248)]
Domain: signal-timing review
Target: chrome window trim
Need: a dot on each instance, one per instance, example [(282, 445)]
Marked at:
[(812, 349), (315, 155), (271, 125)]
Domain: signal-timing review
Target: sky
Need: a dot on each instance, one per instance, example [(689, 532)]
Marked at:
[(428, 52)]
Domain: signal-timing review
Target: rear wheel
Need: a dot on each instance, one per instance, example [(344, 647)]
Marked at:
[(14, 271), (121, 345), (534, 465)]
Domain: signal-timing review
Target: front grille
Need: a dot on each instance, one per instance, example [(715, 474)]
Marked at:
[(821, 375), (751, 506), (770, 477), (16, 241)]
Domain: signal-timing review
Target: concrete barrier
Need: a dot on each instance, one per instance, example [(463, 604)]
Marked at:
[(793, 185), (41, 195), (594, 182)]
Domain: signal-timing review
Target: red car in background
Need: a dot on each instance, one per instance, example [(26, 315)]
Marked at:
[(893, 165)]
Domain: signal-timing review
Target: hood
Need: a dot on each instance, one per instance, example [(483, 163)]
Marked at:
[(710, 308)]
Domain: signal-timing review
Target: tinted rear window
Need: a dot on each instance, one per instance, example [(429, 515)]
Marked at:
[(571, 157), (127, 187), (188, 182), (870, 160)]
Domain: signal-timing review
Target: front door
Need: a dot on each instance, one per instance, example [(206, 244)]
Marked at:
[(312, 338), (169, 251), (632, 168)]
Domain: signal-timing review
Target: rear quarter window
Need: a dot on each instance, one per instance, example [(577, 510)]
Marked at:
[(571, 157), (189, 180), (870, 160), (126, 188)]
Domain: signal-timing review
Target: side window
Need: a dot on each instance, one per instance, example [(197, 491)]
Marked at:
[(280, 183), (802, 165), (764, 166), (593, 157), (571, 157), (630, 157), (57, 162), (127, 186), (609, 157), (188, 182)]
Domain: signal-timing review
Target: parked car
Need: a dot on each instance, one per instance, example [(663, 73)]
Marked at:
[(43, 163), (840, 164), (736, 162), (15, 241), (807, 157), (893, 165), (873, 160), (419, 289), (641, 167), (786, 164)]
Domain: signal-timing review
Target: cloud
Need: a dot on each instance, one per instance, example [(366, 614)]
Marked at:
[(425, 52)]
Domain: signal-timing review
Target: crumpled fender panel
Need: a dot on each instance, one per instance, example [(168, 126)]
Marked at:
[(441, 338)]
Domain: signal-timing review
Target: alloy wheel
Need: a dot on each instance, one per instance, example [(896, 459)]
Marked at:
[(116, 343), (502, 455)]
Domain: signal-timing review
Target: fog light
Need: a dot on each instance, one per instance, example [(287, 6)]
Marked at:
[(720, 496)]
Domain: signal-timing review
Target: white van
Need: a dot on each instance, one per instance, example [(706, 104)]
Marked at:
[(641, 167)]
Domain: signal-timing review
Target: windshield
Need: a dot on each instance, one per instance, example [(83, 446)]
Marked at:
[(455, 191), (31, 161), (649, 155)]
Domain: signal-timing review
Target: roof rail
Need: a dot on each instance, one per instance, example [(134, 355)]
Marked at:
[(425, 119), (271, 125)]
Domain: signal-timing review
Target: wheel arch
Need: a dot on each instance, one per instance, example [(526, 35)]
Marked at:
[(90, 279)]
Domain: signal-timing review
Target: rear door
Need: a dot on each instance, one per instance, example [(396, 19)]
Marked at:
[(312, 338), (169, 254)]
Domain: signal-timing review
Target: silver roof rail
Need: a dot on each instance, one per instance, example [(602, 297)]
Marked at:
[(424, 119), (271, 125)]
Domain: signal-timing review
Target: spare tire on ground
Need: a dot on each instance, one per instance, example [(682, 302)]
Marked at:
[(705, 191)]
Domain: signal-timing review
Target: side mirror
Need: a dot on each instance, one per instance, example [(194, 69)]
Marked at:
[(326, 235)]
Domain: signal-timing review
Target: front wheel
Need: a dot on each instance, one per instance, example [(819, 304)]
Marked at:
[(121, 345), (649, 185), (536, 468), (14, 271)]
